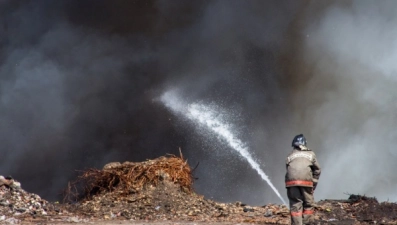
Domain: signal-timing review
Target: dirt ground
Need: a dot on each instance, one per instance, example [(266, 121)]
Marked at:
[(116, 222), (160, 192), (354, 211)]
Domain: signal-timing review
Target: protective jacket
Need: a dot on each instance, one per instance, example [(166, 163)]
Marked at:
[(302, 168)]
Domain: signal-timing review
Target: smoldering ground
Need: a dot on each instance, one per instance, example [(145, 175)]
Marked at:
[(79, 81)]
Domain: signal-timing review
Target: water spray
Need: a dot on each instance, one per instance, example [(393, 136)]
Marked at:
[(208, 117)]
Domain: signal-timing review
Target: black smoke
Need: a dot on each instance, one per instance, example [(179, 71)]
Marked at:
[(79, 82)]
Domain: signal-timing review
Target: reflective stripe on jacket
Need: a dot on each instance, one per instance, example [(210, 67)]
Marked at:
[(302, 168)]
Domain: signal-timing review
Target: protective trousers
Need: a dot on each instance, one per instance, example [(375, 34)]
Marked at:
[(301, 203)]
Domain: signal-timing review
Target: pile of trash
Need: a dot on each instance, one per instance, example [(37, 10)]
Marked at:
[(129, 177), (157, 190), (166, 202), (357, 209), (17, 205), (161, 190)]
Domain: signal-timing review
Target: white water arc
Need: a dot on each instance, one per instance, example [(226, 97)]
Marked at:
[(208, 117)]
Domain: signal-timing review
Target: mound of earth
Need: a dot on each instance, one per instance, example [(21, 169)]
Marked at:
[(161, 191), (167, 202), (356, 209)]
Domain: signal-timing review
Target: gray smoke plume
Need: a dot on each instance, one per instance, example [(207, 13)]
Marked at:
[(346, 98), (79, 82)]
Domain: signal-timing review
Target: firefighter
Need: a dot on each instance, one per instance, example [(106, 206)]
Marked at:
[(303, 172)]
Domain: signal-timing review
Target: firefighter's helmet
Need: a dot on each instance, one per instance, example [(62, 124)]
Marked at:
[(299, 140)]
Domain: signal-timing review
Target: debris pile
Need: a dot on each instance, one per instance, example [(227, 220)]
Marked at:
[(158, 190), (17, 205), (167, 202), (129, 177), (161, 190), (358, 209)]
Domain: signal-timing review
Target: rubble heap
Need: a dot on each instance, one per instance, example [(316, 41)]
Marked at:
[(167, 202), (130, 177), (161, 190), (158, 190), (357, 209), (17, 205)]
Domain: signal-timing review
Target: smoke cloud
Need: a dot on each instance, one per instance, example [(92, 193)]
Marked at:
[(80, 82), (346, 102)]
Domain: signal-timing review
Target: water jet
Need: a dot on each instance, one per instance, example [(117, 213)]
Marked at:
[(208, 118)]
